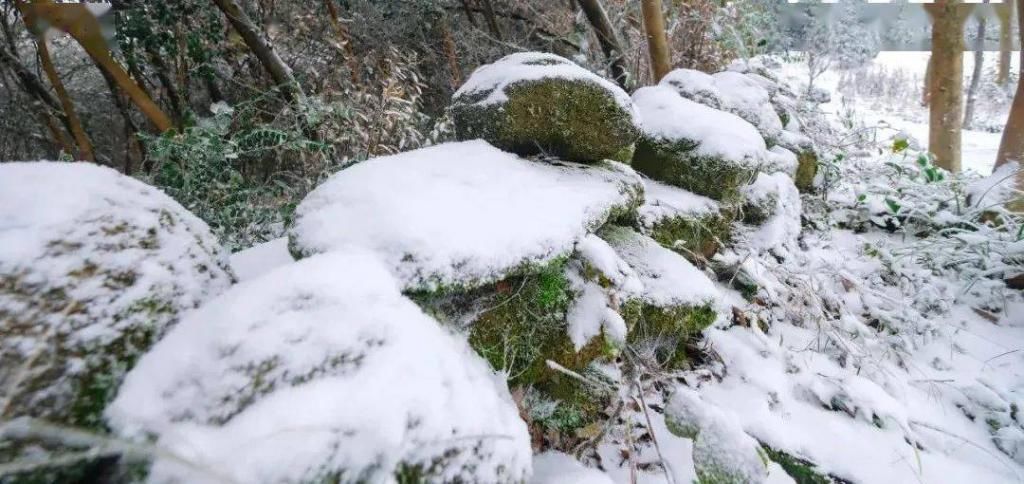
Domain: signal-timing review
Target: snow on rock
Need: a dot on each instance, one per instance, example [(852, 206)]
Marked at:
[(320, 370), (596, 308), (462, 214), (94, 267), (745, 98), (667, 278), (783, 160), (722, 451), (535, 103), (260, 259), (663, 201), (694, 85), (557, 468), (772, 202), (670, 117)]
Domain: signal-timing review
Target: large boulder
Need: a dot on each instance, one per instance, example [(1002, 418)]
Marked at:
[(531, 103), (694, 147), (95, 268), (320, 371), (694, 85), (463, 215), (694, 226), (748, 99)]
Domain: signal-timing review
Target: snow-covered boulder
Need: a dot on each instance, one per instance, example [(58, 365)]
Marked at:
[(531, 103), (722, 452), (675, 300), (748, 99), (557, 468), (692, 146), (94, 268), (765, 197), (692, 225), (694, 85), (462, 215), (807, 158), (320, 371)]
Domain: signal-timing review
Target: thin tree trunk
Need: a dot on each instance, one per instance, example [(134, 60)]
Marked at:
[(345, 38), (81, 138), (469, 12), (450, 52), (1012, 146), (606, 37), (492, 20), (260, 45), (945, 120), (657, 41), (979, 62), (926, 90), (130, 127), (1005, 13)]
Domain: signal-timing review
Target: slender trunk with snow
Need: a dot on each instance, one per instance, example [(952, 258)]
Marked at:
[(945, 120), (77, 130), (657, 41), (606, 37), (979, 62), (1005, 13), (1012, 146), (261, 46)]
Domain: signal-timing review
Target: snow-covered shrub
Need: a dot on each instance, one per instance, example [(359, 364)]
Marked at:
[(713, 157), (320, 370), (531, 103), (690, 224), (459, 215), (95, 268)]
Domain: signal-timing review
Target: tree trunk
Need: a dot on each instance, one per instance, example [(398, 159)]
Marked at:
[(926, 91), (492, 20), (657, 41), (606, 37), (1005, 12), (77, 131), (979, 63), (79, 22), (946, 84), (260, 45), (1012, 146)]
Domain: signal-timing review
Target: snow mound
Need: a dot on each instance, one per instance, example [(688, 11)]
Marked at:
[(320, 370), (94, 267), (782, 160), (777, 201), (462, 214), (260, 259), (663, 201), (596, 309), (747, 99), (557, 468), (667, 278), (489, 82), (669, 117), (694, 85)]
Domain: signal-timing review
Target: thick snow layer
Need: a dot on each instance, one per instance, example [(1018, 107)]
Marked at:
[(668, 279), (997, 188), (670, 117), (783, 226), (317, 368), (744, 97), (461, 213), (694, 85), (663, 201), (557, 468), (595, 309), (87, 257), (783, 160), (490, 81), (260, 259)]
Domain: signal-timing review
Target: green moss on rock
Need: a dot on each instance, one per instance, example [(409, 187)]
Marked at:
[(802, 471), (669, 333), (678, 164), (806, 170), (574, 120), (696, 237)]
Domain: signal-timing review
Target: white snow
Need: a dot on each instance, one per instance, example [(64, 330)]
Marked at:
[(745, 98), (461, 213), (318, 367), (694, 85), (783, 160), (595, 309), (260, 259), (85, 253), (783, 226), (491, 80), (668, 279), (997, 188), (553, 467), (670, 117), (663, 201)]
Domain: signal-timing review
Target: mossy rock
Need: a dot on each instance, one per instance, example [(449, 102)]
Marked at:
[(579, 117), (806, 170), (520, 323), (696, 237), (800, 470), (677, 163), (87, 285), (669, 333)]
